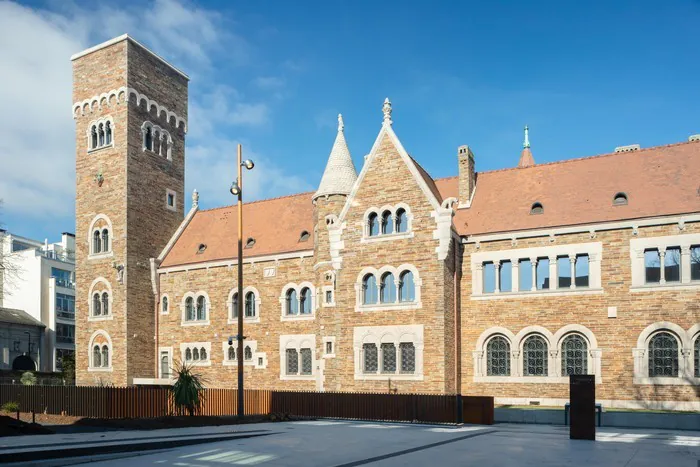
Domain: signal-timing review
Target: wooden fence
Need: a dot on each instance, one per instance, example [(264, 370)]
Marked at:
[(146, 402)]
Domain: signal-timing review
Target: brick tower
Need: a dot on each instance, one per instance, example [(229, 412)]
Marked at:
[(130, 109)]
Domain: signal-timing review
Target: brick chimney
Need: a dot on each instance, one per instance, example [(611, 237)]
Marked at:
[(467, 175)]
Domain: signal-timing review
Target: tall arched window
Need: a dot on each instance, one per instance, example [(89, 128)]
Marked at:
[(105, 303), (188, 354), (234, 305), (663, 355), (195, 354), (292, 305), (498, 357), (105, 240), (101, 135), (148, 139), (574, 355), (387, 223), (189, 309), (203, 354), (96, 305), (96, 242), (369, 289), (93, 137), (156, 141), (250, 305), (164, 366), (373, 224), (108, 133), (105, 356), (164, 305), (247, 353), (305, 301), (96, 357), (231, 352), (201, 308), (401, 221), (407, 287), (388, 288), (535, 356)]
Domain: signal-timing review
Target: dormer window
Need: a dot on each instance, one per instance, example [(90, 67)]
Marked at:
[(537, 208), (304, 236), (250, 243), (202, 247), (620, 199)]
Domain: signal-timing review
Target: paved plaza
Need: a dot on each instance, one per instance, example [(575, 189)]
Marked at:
[(346, 444)]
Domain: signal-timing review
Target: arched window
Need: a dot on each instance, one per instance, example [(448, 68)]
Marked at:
[(387, 223), (663, 355), (388, 357), (101, 135), (203, 354), (498, 357), (537, 208), (195, 354), (407, 287), (250, 305), (408, 357), (96, 357), (201, 308), (234, 305), (247, 353), (188, 354), (231, 352), (305, 301), (369, 289), (620, 199), (388, 288), (164, 305), (148, 139), (535, 356), (574, 355), (156, 141), (105, 356), (401, 221), (108, 133), (292, 306), (292, 361), (93, 137), (373, 224), (370, 360), (189, 309), (697, 357), (164, 366), (96, 305), (96, 242), (105, 240), (105, 303)]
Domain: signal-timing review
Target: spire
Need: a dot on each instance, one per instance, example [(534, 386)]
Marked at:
[(526, 159), (195, 198), (386, 108), (340, 173)]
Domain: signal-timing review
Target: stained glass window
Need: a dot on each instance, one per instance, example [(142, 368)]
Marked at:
[(574, 356), (306, 362), (292, 362), (498, 357), (535, 356), (663, 355), (388, 358), (370, 358), (408, 357)]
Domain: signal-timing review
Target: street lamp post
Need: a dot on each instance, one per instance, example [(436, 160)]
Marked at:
[(236, 190)]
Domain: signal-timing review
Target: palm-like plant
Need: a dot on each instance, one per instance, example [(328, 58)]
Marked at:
[(188, 389)]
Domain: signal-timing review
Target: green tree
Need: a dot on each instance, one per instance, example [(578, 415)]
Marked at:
[(68, 368)]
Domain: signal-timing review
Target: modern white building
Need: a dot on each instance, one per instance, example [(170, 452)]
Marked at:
[(39, 279)]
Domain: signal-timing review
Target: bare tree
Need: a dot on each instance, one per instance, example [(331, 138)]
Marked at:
[(8, 269)]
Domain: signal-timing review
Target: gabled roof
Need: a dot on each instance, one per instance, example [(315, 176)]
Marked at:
[(13, 316)]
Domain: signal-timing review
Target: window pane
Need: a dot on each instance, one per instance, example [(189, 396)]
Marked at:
[(292, 362), (563, 272), (695, 264), (387, 223), (652, 269), (164, 366), (542, 273), (231, 352), (201, 309), (525, 275), (373, 225), (672, 264), (306, 362), (401, 221), (407, 289), (306, 301), (234, 306), (408, 357), (369, 287), (247, 353), (582, 271), (292, 302), (388, 358), (663, 355), (505, 276), (370, 363), (574, 356), (535, 356), (489, 278), (388, 291), (498, 357), (250, 305), (329, 347)]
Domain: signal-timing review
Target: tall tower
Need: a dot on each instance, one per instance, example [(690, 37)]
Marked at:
[(130, 109)]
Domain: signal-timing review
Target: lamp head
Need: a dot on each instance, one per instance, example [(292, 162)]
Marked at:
[(235, 189), (248, 164)]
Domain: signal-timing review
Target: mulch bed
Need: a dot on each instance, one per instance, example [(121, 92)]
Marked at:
[(12, 427)]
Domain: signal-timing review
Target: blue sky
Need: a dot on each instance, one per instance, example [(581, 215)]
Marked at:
[(585, 76)]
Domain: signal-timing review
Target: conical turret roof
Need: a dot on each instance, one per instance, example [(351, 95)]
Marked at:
[(340, 173)]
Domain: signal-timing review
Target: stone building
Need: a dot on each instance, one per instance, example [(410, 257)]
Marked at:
[(499, 283)]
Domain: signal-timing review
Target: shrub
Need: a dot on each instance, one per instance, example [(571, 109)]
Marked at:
[(28, 378), (10, 407), (188, 390)]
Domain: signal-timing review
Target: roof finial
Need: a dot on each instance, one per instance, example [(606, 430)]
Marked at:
[(386, 108), (195, 198), (341, 125), (526, 143)]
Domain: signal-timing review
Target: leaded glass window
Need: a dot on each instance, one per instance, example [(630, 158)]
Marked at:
[(231, 353), (408, 357), (663, 355), (387, 223), (370, 362), (407, 287), (498, 357), (247, 353), (292, 362), (388, 288), (388, 358), (369, 289), (250, 305), (535, 356), (189, 309), (574, 356), (201, 308), (306, 362), (697, 357)]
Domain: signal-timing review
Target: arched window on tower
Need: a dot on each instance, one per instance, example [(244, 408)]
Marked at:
[(96, 357), (105, 356), (156, 141), (292, 303), (201, 308), (250, 305), (407, 287), (105, 240), (101, 135), (96, 242), (96, 305), (148, 139), (108, 133), (247, 353), (189, 309), (105, 303), (93, 137)]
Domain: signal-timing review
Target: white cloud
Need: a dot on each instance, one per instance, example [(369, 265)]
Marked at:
[(269, 82)]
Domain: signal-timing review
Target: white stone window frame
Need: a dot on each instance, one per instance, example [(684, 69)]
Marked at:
[(91, 343), (96, 125), (198, 345), (164, 138), (324, 290), (160, 304), (517, 341), (254, 350), (258, 305), (379, 335), (639, 245), (297, 342), (326, 340), (183, 308), (686, 341), (593, 250), (379, 211), (91, 233), (100, 285), (397, 305), (169, 351), (298, 288), (168, 193)]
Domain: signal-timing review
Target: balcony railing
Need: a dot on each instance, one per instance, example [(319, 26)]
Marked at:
[(67, 257), (65, 314), (65, 339), (65, 284)]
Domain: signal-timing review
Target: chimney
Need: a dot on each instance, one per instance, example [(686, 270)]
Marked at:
[(467, 175)]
